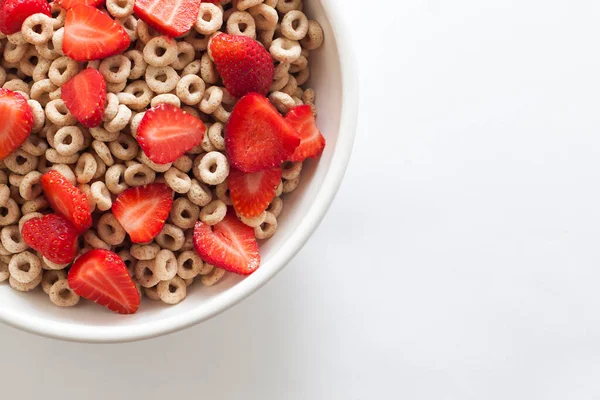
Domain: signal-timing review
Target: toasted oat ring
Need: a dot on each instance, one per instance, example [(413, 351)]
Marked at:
[(222, 192), (314, 38), (285, 50), (241, 23), (143, 158), (125, 148), (171, 237), (34, 23), (20, 162), (144, 273), (179, 181), (254, 221), (115, 69), (160, 51), (101, 196), (34, 205), (24, 287), (29, 61), (62, 70), (39, 119), (265, 17), (211, 100), (213, 168), (58, 15), (145, 32), (246, 4), (103, 152), (290, 87), (294, 25), (267, 228), (110, 112), (114, 178), (58, 113), (116, 87), (190, 89), (166, 98), (12, 240), (130, 24), (120, 8), (68, 140), (62, 295), (172, 291), (189, 264), (120, 121), (14, 52), (110, 230), (302, 76), (199, 193), (214, 276), (86, 168), (50, 277), (210, 19), (193, 68), (144, 251), (138, 65), (9, 212), (198, 40), (216, 135), (276, 206), (139, 175), (208, 70), (213, 212), (185, 55), (183, 163), (135, 122), (40, 91), (91, 238), (161, 79), (184, 213), (165, 265), (4, 194), (266, 37), (30, 186)]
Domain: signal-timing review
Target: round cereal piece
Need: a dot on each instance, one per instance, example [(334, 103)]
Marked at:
[(216, 135), (68, 140), (198, 40), (302, 76), (103, 152), (110, 230), (24, 287), (29, 61), (54, 157), (101, 169), (39, 119), (57, 94), (265, 17), (120, 8), (285, 50), (210, 19), (213, 168), (212, 277), (65, 171), (222, 193), (125, 148), (208, 70), (14, 52), (20, 162), (17, 85), (267, 228), (160, 51), (189, 265), (4, 194), (155, 167), (30, 186), (15, 180), (12, 240), (172, 291), (190, 89), (47, 53), (135, 122), (193, 68), (298, 65), (129, 260), (62, 295), (279, 190), (144, 251), (35, 145), (184, 213), (309, 96), (145, 32), (48, 265), (314, 37), (40, 91), (199, 193), (101, 196), (58, 15), (87, 190), (275, 207), (161, 79), (213, 212), (185, 55), (179, 181), (35, 205), (222, 114), (246, 4), (283, 102), (139, 175), (285, 6), (138, 65), (58, 113), (171, 237), (253, 222), (291, 86), (5, 253), (183, 163), (266, 37), (152, 293), (110, 112), (290, 185), (137, 95), (2, 76), (144, 273), (206, 143), (50, 277), (129, 23), (116, 87), (211, 100), (206, 268), (102, 135), (121, 120), (25, 267), (91, 238), (291, 170), (115, 180), (62, 70), (294, 25), (16, 38), (166, 98), (37, 29), (115, 69), (15, 195), (165, 265)]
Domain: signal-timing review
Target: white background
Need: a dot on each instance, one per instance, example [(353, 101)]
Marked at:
[(460, 259)]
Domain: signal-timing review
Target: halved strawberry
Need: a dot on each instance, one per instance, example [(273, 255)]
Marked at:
[(91, 34), (230, 245), (53, 236), (68, 4), (67, 200), (101, 276), (85, 97), (252, 193), (169, 17), (243, 63), (14, 12), (143, 210), (16, 121), (312, 141), (257, 137), (166, 132)]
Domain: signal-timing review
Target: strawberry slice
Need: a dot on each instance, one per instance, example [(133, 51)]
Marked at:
[(312, 141), (14, 12), (167, 132), (85, 97), (68, 4), (17, 120), (169, 17), (53, 236), (67, 200), (252, 193), (243, 63), (230, 245), (101, 276), (257, 137), (91, 34), (143, 210)]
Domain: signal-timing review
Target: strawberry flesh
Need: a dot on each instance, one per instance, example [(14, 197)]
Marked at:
[(17, 121), (85, 97), (101, 276), (169, 17), (67, 200), (53, 236), (312, 141), (251, 194), (68, 4), (14, 12)]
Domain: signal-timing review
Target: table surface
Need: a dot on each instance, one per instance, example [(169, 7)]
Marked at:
[(460, 258)]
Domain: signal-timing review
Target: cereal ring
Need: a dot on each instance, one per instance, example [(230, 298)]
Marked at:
[(309, 96), (37, 29), (138, 65), (14, 52), (40, 91), (206, 143), (210, 19), (68, 140), (4, 195), (211, 100), (283, 102), (166, 98), (179, 181), (190, 89), (116, 87), (39, 119), (245, 4), (198, 40), (213, 168), (17, 85), (144, 273), (165, 265), (279, 190), (30, 187), (291, 185), (302, 76), (129, 260), (110, 230), (135, 122), (119, 122), (294, 25), (298, 65), (291, 170), (275, 207), (103, 152), (184, 213), (160, 51), (139, 175), (91, 238), (12, 240), (47, 53), (290, 87), (115, 69), (155, 167), (183, 163), (29, 61), (213, 212), (114, 178), (65, 171), (58, 15), (267, 228), (15, 179), (285, 50), (255, 221), (93, 64), (199, 193), (265, 17), (172, 291), (285, 6), (314, 38), (212, 277), (101, 169), (216, 134), (185, 55), (222, 193), (193, 68), (101, 196), (161, 79), (50, 277), (110, 112), (146, 33), (208, 70), (189, 265), (120, 8), (130, 24), (136, 95), (62, 295), (62, 70), (54, 157), (35, 205), (87, 190), (152, 293), (58, 113), (15, 195), (266, 37), (20, 162), (171, 237), (144, 251), (125, 148), (24, 287)]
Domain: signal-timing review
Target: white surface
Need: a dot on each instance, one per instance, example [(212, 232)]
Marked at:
[(460, 258)]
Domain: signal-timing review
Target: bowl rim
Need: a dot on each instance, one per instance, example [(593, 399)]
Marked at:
[(241, 290)]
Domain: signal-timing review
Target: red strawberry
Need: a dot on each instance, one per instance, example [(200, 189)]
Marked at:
[(166, 132), (17, 120), (243, 63), (143, 210), (230, 245), (91, 34), (256, 136), (67, 4), (312, 141), (169, 17), (252, 193), (14, 12), (85, 97), (53, 236), (101, 276), (67, 200)]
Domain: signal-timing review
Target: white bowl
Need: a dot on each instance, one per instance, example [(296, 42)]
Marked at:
[(334, 80)]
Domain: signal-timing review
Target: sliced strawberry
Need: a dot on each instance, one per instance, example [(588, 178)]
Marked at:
[(169, 17), (243, 63), (53, 236), (230, 245), (143, 210), (14, 12), (67, 200), (101, 276), (312, 141), (256, 135), (252, 193), (17, 120), (68, 4), (85, 97), (166, 132), (91, 34)]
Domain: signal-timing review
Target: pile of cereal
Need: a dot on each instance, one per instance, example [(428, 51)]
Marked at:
[(147, 144)]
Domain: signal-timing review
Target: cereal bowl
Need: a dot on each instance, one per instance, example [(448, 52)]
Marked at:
[(333, 78)]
